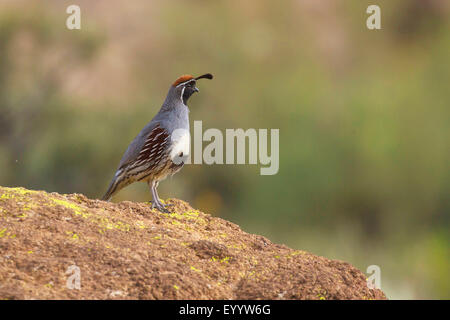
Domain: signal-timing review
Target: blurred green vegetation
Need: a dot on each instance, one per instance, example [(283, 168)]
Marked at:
[(363, 116)]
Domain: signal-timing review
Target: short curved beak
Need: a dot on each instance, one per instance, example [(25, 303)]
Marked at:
[(196, 89)]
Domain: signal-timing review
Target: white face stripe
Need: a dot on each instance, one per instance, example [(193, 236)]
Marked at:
[(181, 97), (186, 82)]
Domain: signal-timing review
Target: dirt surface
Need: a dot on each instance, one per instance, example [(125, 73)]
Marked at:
[(129, 251)]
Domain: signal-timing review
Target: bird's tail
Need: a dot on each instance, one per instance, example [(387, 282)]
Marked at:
[(117, 183)]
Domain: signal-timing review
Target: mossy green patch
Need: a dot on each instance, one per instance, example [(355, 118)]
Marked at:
[(73, 235), (223, 260), (21, 190), (70, 205), (12, 193), (5, 196), (296, 253), (4, 233), (103, 222), (321, 294), (140, 224), (191, 215)]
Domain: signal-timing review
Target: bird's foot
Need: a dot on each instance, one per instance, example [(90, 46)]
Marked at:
[(161, 207), (164, 204)]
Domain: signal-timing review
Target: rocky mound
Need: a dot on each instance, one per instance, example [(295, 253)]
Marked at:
[(52, 244)]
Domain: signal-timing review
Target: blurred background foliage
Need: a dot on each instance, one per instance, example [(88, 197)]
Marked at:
[(363, 116)]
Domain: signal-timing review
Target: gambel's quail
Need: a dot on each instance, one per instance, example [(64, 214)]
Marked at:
[(161, 148)]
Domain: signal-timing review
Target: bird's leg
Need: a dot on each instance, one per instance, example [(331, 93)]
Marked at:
[(156, 203), (157, 196)]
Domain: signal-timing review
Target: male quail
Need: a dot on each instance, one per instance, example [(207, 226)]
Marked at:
[(161, 148)]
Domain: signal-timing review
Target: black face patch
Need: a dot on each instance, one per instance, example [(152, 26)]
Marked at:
[(189, 89)]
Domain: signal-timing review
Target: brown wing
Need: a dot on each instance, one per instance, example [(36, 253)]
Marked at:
[(154, 147)]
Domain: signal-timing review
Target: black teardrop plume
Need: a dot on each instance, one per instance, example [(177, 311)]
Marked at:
[(205, 76)]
